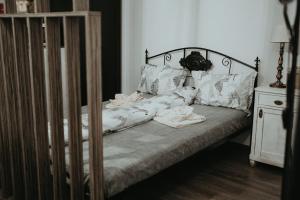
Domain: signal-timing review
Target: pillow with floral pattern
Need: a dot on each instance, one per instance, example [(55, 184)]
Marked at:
[(161, 79), (233, 91)]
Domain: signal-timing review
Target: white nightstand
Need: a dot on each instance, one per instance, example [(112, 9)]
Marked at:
[(268, 134)]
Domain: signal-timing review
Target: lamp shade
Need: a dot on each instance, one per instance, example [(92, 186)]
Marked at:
[(280, 34)]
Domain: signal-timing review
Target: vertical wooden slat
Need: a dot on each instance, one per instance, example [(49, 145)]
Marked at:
[(5, 176), (1, 145), (12, 95), (53, 41), (81, 5), (41, 6), (72, 48), (10, 6), (93, 59), (25, 109), (36, 55)]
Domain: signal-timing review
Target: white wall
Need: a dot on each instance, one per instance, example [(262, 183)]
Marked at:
[(243, 29), (239, 28), (157, 25)]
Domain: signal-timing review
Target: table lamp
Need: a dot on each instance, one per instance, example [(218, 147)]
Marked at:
[(281, 36)]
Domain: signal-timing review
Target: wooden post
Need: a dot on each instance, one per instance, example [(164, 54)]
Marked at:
[(10, 6), (53, 42), (72, 49), (5, 173), (25, 107), (12, 107), (41, 6), (81, 5), (93, 59), (37, 70)]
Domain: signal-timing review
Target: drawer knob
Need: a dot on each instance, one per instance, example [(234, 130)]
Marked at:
[(260, 114), (278, 103)]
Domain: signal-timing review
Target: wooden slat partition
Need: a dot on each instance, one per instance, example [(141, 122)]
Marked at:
[(81, 5), (36, 55), (39, 6), (53, 42), (10, 6), (72, 47), (5, 171), (93, 59), (14, 130), (42, 6), (1, 147), (24, 122), (25, 107)]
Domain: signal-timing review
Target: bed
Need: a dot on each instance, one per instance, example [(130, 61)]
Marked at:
[(130, 156), (139, 152)]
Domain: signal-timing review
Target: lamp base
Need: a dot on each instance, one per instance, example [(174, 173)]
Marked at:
[(278, 84)]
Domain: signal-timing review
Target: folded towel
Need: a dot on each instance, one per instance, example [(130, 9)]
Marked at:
[(123, 100), (179, 117)]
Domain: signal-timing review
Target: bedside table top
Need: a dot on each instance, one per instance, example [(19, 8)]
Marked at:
[(268, 89)]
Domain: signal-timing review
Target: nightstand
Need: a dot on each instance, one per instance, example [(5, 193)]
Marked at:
[(268, 134)]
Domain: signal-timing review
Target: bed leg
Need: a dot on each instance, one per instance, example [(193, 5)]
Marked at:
[(252, 163)]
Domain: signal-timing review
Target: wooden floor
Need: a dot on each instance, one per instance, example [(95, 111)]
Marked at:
[(219, 174)]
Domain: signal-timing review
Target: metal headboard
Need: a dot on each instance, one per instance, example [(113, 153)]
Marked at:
[(226, 61)]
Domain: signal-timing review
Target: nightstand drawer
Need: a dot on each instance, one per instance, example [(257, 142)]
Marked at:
[(272, 100)]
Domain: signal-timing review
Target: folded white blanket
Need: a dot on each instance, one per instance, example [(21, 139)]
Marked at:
[(179, 117), (123, 100)]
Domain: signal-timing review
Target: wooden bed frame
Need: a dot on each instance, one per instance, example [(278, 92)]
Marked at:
[(25, 169)]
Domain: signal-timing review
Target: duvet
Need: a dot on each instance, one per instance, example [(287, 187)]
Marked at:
[(120, 118)]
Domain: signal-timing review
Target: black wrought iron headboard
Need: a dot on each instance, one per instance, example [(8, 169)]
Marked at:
[(226, 61)]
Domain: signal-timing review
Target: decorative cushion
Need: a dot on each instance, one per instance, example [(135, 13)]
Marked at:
[(195, 62), (161, 79), (233, 91)]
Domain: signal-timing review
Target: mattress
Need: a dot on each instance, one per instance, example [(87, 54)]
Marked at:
[(140, 152)]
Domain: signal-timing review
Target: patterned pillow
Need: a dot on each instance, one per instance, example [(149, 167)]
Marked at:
[(161, 79), (233, 91)]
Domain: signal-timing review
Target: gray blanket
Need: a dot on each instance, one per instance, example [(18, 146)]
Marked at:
[(135, 154)]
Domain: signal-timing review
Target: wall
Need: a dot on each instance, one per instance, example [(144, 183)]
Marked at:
[(240, 28), (157, 25)]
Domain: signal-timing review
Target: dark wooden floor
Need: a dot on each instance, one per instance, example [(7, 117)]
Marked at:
[(218, 174)]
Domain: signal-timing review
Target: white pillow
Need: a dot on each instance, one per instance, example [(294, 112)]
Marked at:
[(161, 79), (233, 91)]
